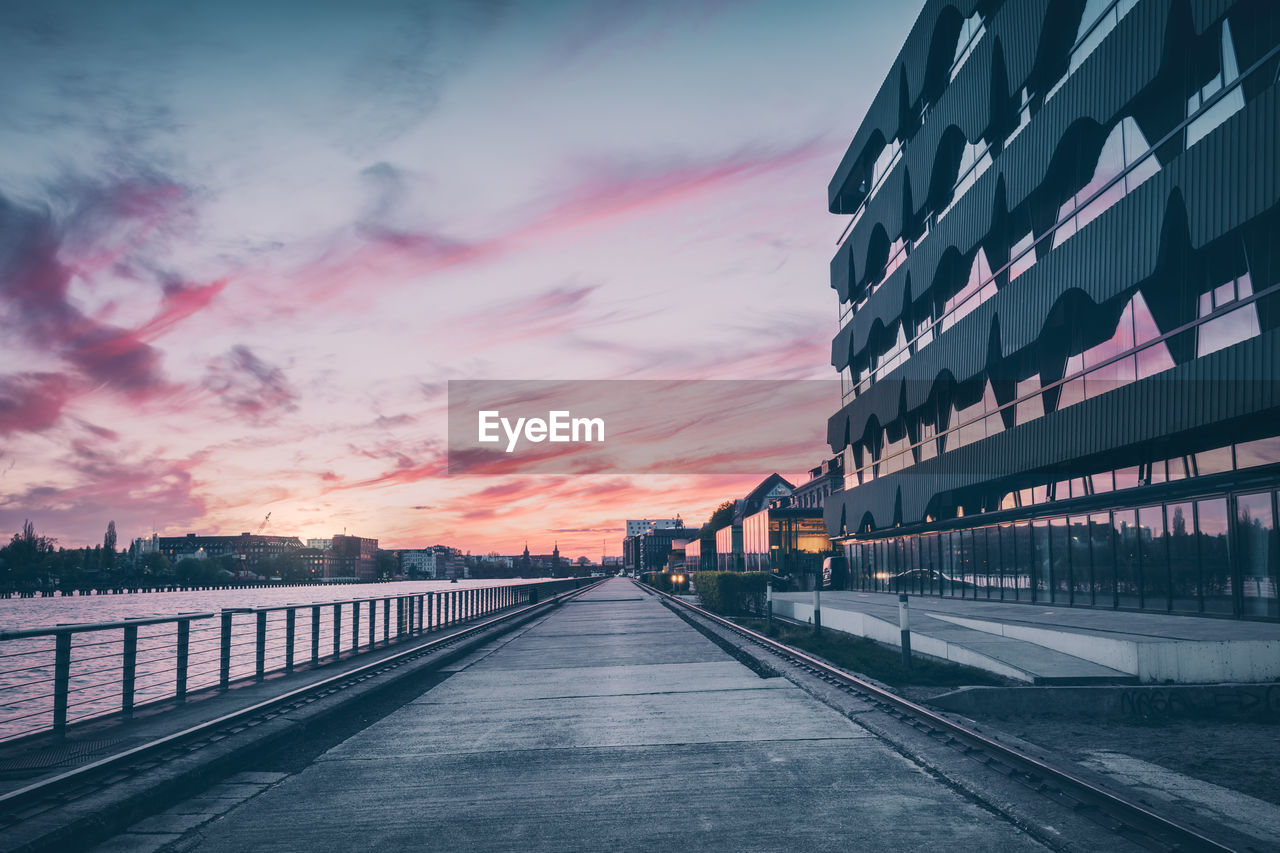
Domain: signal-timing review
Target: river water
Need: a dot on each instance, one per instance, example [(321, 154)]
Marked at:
[(27, 665)]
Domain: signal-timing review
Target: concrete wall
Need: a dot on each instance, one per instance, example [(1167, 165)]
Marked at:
[(861, 625), (1153, 660)]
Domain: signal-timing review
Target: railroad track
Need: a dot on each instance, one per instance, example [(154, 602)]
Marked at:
[(1113, 811), (31, 802)]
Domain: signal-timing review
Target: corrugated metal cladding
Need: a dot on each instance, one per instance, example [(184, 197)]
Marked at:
[(1227, 179), (1233, 383), (883, 116), (1122, 66), (1219, 186)]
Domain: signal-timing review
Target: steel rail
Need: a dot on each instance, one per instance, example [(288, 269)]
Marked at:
[(12, 801), (1166, 830)]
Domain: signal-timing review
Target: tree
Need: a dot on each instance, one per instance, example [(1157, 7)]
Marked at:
[(109, 546), (26, 556), (720, 517)]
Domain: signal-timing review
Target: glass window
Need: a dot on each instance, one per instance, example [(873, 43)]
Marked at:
[(1259, 555), (978, 563), (1104, 569), (1018, 563), (1183, 561), (1265, 451), (1214, 461), (1023, 255), (1128, 577), (947, 566), (1125, 148), (1005, 566), (1228, 105), (1231, 328), (1060, 544), (1154, 554), (1096, 23), (978, 288), (970, 32), (1041, 579), (1081, 562), (1215, 565)]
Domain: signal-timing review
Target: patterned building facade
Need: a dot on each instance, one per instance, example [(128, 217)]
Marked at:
[(1060, 308)]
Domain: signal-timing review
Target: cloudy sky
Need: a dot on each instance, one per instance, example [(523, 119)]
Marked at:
[(245, 245)]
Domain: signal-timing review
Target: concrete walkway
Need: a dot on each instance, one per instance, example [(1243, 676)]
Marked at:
[(609, 725), (1048, 644)]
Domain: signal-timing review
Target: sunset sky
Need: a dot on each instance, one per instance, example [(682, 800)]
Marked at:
[(244, 245)]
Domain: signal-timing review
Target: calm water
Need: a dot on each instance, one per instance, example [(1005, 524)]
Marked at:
[(26, 666), (41, 612)]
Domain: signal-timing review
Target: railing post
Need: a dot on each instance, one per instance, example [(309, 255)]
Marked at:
[(904, 630), (533, 594), (315, 634), (290, 637), (422, 616), (61, 681), (373, 614), (386, 620), (428, 613), (224, 657), (184, 654), (260, 646), (355, 625), (129, 672), (337, 629)]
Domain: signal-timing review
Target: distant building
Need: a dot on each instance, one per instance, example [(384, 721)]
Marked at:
[(824, 481), (146, 546), (647, 551), (637, 526), (253, 549), (319, 562), (418, 563), (543, 565), (320, 544), (355, 557)]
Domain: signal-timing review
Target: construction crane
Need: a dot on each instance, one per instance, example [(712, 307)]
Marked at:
[(263, 525)]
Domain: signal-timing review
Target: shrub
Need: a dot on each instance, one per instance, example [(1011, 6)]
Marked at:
[(731, 593)]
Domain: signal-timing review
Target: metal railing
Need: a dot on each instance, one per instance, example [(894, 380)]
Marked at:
[(55, 676)]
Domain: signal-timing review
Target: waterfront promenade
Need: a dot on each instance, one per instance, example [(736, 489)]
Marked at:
[(608, 724)]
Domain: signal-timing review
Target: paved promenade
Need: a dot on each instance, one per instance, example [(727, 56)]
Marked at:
[(608, 725)]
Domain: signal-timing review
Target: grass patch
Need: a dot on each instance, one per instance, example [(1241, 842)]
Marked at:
[(860, 655)]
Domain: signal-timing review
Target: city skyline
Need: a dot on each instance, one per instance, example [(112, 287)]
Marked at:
[(245, 248)]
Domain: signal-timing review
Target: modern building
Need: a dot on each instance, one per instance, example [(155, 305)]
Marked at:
[(785, 539), (320, 544), (1059, 300), (354, 557), (251, 548), (729, 553)]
